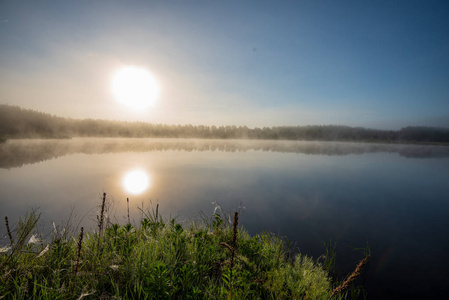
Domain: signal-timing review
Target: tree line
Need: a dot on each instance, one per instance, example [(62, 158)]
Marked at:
[(17, 122)]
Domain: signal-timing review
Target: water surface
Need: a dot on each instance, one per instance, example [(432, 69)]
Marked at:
[(393, 196)]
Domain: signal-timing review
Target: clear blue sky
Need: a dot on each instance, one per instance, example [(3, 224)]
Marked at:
[(378, 64)]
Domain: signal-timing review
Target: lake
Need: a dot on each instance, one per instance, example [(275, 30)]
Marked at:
[(395, 197)]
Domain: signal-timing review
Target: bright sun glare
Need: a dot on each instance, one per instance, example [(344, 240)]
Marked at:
[(136, 181), (135, 87)]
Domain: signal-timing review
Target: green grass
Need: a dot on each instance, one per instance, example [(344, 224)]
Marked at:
[(158, 259)]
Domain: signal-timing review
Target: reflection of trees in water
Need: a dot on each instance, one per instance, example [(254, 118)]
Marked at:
[(16, 153)]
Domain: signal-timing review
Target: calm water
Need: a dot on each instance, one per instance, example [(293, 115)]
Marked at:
[(393, 196)]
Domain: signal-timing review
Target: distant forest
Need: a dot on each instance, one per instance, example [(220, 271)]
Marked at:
[(16, 122)]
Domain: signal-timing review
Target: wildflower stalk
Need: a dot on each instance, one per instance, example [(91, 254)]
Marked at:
[(101, 220), (234, 238), (78, 251), (127, 201), (9, 232), (234, 246)]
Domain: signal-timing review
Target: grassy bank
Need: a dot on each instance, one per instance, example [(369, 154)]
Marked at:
[(159, 259)]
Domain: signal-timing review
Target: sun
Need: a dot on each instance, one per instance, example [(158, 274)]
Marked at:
[(135, 87), (136, 181)]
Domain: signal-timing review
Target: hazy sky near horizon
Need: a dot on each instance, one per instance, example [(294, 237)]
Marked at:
[(378, 64)]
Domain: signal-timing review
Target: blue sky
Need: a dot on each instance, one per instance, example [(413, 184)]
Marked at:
[(378, 64)]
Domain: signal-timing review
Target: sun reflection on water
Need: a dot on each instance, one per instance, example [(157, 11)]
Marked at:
[(136, 181)]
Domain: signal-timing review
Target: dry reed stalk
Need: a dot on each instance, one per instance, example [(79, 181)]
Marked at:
[(9, 232), (234, 237), (127, 201), (101, 220), (157, 211), (78, 251), (232, 249), (234, 246), (352, 277)]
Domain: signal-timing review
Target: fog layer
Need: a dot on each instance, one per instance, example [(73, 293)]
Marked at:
[(16, 153)]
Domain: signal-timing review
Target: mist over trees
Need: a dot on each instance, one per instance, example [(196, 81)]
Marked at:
[(16, 122)]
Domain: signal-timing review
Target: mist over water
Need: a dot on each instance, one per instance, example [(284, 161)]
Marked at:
[(16, 153), (392, 196)]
